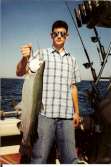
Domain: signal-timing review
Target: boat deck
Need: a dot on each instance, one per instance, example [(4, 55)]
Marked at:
[(10, 159)]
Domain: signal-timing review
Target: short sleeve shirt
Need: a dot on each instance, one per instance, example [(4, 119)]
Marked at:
[(61, 71)]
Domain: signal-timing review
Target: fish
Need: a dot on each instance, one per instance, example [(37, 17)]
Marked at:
[(31, 106)]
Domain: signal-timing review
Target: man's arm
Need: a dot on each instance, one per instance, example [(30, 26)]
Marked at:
[(22, 65), (76, 116)]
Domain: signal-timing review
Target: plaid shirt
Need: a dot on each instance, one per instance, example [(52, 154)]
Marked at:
[(61, 71)]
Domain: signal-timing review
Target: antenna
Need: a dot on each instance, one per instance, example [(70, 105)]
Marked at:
[(104, 63)]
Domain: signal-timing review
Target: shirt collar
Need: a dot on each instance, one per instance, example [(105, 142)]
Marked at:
[(53, 50)]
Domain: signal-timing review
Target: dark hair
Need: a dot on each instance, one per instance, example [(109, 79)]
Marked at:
[(60, 24)]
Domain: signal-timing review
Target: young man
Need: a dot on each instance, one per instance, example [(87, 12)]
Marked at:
[(60, 113)]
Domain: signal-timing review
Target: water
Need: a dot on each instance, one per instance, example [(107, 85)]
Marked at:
[(11, 90)]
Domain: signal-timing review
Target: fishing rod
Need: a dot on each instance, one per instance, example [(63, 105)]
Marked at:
[(101, 47), (89, 64)]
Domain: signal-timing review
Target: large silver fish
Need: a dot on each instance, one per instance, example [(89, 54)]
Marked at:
[(31, 105)]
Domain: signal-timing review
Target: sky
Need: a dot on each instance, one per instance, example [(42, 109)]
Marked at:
[(30, 21)]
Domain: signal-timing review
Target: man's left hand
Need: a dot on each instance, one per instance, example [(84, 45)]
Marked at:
[(76, 119)]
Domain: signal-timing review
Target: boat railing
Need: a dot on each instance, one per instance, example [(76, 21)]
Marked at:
[(10, 136), (4, 114)]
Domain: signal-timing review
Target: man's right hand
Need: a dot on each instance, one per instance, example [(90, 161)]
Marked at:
[(22, 65), (26, 50)]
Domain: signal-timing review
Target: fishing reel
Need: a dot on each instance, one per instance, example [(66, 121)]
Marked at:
[(94, 13)]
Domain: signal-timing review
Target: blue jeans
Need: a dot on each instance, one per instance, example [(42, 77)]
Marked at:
[(60, 130)]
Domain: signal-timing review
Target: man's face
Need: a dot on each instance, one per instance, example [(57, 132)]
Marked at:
[(59, 36)]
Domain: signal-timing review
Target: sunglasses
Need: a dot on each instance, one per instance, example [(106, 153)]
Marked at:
[(59, 33)]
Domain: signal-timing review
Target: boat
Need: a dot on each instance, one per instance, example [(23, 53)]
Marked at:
[(94, 14), (95, 128), (10, 137)]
